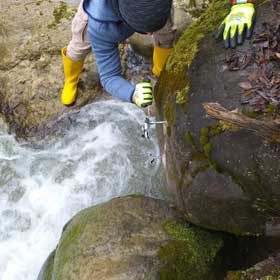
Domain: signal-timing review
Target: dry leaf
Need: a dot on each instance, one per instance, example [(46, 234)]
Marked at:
[(245, 85)]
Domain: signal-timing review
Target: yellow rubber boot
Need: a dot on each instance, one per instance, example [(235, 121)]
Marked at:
[(160, 56), (72, 71)]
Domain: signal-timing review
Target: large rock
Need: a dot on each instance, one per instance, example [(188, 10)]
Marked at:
[(226, 179), (32, 34), (134, 238)]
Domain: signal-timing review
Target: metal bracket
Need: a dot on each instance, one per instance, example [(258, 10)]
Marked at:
[(147, 125)]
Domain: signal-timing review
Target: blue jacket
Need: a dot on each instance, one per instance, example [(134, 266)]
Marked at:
[(106, 31)]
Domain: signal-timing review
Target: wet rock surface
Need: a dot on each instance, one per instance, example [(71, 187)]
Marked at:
[(134, 238), (225, 178), (31, 72)]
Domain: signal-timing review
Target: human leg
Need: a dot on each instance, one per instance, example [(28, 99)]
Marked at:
[(73, 56), (163, 43)]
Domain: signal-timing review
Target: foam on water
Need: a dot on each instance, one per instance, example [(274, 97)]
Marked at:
[(98, 154)]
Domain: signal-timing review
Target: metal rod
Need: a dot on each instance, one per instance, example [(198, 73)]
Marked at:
[(147, 125)]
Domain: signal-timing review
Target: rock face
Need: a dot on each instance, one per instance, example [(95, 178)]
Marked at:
[(225, 178), (133, 238), (31, 71)]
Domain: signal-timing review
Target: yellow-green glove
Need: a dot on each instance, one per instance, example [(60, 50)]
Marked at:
[(238, 25), (143, 94)]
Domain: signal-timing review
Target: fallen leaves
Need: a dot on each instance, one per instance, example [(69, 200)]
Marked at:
[(245, 85), (261, 89), (238, 62)]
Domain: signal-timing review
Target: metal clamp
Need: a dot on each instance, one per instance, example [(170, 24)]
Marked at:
[(147, 125)]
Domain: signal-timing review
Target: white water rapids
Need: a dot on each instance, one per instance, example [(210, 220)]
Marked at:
[(98, 154)]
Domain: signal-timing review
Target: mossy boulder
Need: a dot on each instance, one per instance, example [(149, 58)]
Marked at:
[(225, 178), (135, 238), (32, 34)]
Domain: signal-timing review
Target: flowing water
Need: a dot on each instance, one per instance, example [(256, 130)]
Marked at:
[(98, 154)]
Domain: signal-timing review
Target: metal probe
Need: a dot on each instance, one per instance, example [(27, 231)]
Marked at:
[(147, 124)]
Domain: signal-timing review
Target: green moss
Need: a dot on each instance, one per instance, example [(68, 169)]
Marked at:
[(203, 139), (191, 253), (71, 236), (204, 133), (270, 109), (234, 275), (60, 12), (218, 129), (235, 179), (207, 148), (225, 126), (188, 45), (48, 271), (136, 195), (182, 95), (174, 84), (204, 157), (189, 139)]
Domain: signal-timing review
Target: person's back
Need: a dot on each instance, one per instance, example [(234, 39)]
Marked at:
[(111, 21)]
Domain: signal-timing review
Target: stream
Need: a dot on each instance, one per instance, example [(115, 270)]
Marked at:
[(97, 154)]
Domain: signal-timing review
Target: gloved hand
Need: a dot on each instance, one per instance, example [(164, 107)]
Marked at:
[(237, 25), (143, 94)]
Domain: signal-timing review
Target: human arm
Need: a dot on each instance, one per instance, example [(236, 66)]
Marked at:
[(109, 68)]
